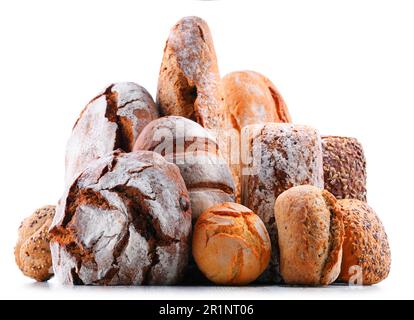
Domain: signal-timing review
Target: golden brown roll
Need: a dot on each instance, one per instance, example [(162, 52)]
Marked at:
[(32, 251), (344, 168), (281, 156), (310, 235), (366, 255), (230, 244), (250, 98)]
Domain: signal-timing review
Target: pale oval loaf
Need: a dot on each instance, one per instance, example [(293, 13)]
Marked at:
[(112, 120), (195, 152), (283, 156)]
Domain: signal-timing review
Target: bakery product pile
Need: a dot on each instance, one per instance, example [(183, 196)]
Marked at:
[(213, 183)]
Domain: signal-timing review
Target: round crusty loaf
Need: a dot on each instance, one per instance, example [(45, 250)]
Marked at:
[(189, 80), (310, 235), (365, 247), (110, 121), (251, 98), (32, 252), (282, 156), (344, 168), (195, 152), (126, 220), (230, 244)]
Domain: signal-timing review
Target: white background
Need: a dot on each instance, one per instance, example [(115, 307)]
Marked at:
[(345, 67)]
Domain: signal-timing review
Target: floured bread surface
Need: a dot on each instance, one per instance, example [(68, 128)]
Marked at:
[(196, 153), (110, 121), (189, 81), (283, 156), (126, 220)]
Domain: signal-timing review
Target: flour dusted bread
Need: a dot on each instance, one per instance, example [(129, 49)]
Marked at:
[(32, 252), (125, 220), (366, 252), (230, 244), (110, 121), (189, 80), (192, 148), (250, 98), (277, 156), (344, 167), (310, 236)]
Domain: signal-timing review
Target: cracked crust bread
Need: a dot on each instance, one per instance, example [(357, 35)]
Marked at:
[(111, 121), (230, 244), (344, 168), (196, 153), (32, 252), (283, 156), (310, 236), (125, 220), (250, 98), (189, 81), (365, 245)]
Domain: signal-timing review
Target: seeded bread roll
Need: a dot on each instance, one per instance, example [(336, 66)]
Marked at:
[(110, 121), (32, 252), (189, 80), (366, 255), (344, 168), (196, 153), (282, 156), (251, 98), (310, 235), (126, 220), (230, 244)]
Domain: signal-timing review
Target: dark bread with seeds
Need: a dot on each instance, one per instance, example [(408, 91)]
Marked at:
[(32, 252), (344, 168), (365, 247), (110, 121), (125, 220), (310, 236)]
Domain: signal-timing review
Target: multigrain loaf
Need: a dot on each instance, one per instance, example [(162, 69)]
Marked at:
[(32, 252), (230, 244), (195, 151), (366, 255), (110, 121), (310, 236), (277, 156), (125, 220), (344, 167)]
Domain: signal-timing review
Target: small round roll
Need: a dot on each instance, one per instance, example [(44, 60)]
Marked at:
[(230, 244), (32, 251), (366, 253)]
